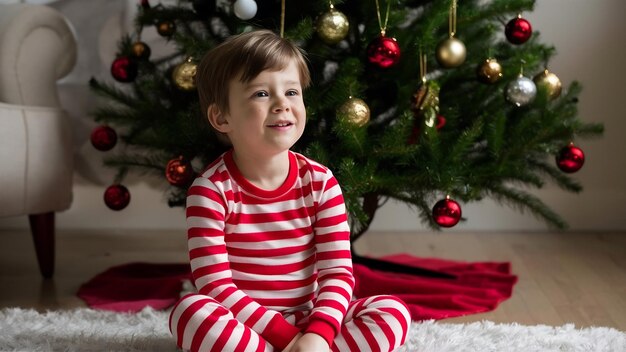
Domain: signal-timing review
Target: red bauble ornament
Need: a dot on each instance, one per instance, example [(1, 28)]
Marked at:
[(383, 52), (570, 159), (179, 172), (124, 69), (447, 212), (518, 30), (441, 121), (145, 4), (103, 138), (116, 197)]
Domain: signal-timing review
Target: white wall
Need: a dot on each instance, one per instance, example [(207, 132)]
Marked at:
[(586, 34)]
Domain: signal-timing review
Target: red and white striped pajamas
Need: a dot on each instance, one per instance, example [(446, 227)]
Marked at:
[(270, 264)]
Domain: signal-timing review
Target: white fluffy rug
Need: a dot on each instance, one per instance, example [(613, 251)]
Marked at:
[(91, 330)]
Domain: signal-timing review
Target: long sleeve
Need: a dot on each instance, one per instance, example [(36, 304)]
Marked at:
[(207, 207), (333, 262)]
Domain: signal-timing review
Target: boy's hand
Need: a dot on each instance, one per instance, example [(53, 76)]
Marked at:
[(310, 343)]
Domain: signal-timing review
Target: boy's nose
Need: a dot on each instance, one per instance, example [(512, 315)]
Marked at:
[(281, 104)]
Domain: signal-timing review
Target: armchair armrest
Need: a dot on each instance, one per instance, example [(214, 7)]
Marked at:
[(37, 159), (37, 47)]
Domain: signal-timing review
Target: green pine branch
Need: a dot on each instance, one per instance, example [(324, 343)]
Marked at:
[(487, 147)]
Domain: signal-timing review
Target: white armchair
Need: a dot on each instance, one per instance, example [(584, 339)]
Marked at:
[(37, 47)]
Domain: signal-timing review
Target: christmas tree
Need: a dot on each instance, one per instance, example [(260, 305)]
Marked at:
[(427, 102)]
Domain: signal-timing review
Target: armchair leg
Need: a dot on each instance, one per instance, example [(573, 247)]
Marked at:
[(42, 228)]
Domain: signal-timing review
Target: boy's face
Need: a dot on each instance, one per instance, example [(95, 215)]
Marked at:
[(266, 115)]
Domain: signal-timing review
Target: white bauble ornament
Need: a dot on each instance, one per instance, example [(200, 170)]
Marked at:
[(521, 91), (245, 9)]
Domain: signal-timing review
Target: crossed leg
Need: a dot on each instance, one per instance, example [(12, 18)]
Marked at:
[(377, 323)]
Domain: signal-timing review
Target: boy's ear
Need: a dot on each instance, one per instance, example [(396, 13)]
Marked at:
[(217, 119)]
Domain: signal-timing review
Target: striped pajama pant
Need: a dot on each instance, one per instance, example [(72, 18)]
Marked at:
[(377, 323)]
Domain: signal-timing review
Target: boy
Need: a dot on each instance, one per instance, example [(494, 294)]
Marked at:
[(268, 237)]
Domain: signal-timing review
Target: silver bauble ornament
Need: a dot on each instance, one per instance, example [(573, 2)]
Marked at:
[(245, 9), (521, 91)]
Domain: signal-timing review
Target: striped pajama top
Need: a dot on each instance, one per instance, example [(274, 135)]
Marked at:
[(261, 253)]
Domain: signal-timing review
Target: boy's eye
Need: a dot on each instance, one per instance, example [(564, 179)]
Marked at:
[(261, 94), (292, 93)]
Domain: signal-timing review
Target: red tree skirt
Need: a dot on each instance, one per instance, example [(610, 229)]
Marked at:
[(132, 287), (478, 287)]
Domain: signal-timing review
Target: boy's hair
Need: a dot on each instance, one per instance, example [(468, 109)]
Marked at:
[(245, 56)]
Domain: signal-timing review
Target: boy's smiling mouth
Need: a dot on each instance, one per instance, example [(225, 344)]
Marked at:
[(281, 124)]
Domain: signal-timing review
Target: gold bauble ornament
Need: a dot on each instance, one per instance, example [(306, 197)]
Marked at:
[(550, 81), (141, 50), (332, 26), (451, 53), (355, 110), (166, 28), (490, 71), (184, 75)]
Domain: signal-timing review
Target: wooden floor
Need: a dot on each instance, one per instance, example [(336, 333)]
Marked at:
[(575, 278)]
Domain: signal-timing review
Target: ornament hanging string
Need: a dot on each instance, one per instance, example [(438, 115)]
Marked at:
[(383, 26), (330, 5), (422, 65), (546, 58), (138, 30), (452, 19), (282, 18), (138, 25)]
